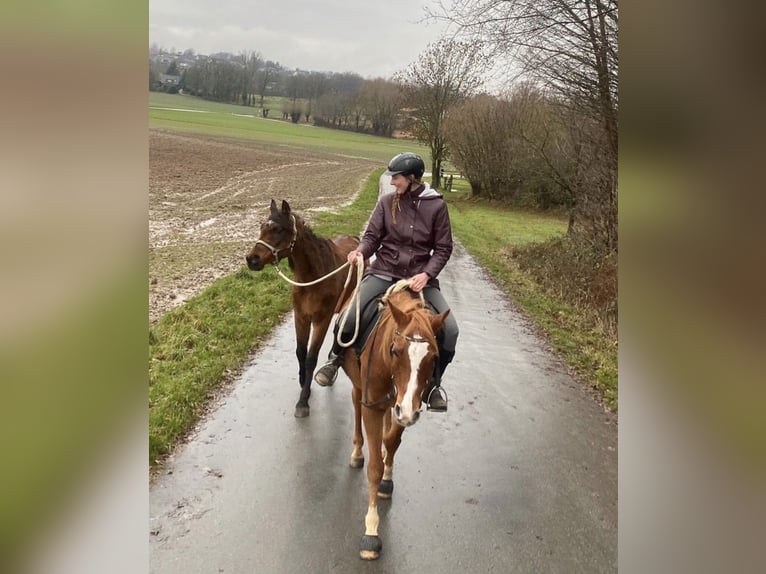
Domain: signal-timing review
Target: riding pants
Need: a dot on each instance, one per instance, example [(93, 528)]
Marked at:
[(373, 287)]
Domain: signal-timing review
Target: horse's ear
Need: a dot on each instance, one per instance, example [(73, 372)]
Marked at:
[(437, 321), (273, 206), (399, 316), (285, 207)]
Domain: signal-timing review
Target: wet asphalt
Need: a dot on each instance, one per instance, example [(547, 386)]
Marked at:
[(520, 475)]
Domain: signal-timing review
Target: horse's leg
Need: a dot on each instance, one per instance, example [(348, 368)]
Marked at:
[(310, 356), (318, 332), (370, 546), (357, 456), (302, 329), (391, 442)]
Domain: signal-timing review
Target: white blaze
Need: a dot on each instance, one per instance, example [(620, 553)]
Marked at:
[(417, 352)]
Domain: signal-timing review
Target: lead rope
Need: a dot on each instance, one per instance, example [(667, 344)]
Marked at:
[(354, 300), (315, 281)]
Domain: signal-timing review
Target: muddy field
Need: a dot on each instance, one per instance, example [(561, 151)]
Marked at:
[(208, 195)]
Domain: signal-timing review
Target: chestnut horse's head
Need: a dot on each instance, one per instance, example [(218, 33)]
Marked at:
[(412, 353), (278, 235)]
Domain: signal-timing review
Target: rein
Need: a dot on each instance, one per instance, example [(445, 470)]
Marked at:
[(365, 402), (398, 286)]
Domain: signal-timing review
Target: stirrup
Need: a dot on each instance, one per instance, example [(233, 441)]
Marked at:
[(325, 377), (439, 402)]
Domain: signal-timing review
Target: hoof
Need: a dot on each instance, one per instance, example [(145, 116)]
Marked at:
[(370, 547), (356, 462), (302, 411), (385, 488)]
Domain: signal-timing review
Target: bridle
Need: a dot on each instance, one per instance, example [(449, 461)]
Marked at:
[(274, 250), (392, 391)]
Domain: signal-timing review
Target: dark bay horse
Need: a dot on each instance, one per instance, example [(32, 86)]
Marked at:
[(286, 234), (388, 379)]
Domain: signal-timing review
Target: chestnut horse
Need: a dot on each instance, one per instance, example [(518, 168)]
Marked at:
[(388, 379), (286, 234)]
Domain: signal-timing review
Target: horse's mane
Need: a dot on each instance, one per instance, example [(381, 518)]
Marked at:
[(319, 250), (412, 306)]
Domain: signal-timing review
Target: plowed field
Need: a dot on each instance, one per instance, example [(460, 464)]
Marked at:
[(208, 195)]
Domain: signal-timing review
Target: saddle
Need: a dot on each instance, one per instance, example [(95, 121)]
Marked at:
[(368, 320)]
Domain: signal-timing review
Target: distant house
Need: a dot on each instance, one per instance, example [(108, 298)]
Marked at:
[(169, 80)]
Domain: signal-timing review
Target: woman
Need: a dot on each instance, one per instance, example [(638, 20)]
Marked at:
[(409, 233)]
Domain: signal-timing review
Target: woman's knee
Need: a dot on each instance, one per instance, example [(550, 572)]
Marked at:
[(451, 332)]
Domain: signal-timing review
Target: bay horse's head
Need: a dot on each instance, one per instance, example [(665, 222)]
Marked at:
[(412, 353), (278, 235)]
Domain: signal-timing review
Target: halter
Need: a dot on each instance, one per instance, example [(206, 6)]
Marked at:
[(412, 338), (274, 250), (392, 391)]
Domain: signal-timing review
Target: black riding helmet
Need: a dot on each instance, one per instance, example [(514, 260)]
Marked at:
[(407, 164)]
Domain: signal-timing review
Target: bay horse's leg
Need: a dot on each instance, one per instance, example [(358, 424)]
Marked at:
[(302, 329), (391, 442), (357, 456), (370, 546), (310, 357)]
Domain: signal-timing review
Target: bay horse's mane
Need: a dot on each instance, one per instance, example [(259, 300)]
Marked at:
[(319, 252)]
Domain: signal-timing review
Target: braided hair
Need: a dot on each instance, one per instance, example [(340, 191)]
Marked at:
[(395, 204), (395, 207)]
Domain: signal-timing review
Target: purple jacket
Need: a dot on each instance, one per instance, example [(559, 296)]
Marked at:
[(420, 240)]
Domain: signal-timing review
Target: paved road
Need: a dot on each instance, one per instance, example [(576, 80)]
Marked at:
[(519, 476)]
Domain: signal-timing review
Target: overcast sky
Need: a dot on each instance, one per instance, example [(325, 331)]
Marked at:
[(373, 38)]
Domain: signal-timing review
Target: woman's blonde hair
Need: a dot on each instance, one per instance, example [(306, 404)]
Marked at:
[(414, 181)]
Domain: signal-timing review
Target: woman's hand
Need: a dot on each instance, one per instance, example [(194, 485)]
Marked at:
[(352, 256), (418, 282)]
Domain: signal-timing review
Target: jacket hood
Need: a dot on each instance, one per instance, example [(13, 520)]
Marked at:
[(428, 193)]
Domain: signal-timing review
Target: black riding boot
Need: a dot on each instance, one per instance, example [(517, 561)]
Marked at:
[(435, 396), (326, 375)]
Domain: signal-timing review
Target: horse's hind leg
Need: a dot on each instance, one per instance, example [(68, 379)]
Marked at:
[(357, 456), (318, 333), (310, 357), (302, 329)]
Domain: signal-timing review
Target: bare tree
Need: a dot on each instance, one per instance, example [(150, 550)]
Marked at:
[(382, 101), (317, 84), (444, 74), (264, 79), (570, 48), (250, 62)]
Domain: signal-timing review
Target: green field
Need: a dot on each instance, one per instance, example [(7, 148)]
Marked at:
[(211, 118)]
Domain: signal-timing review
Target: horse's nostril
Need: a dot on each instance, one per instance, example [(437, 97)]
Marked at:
[(397, 411), (254, 262)]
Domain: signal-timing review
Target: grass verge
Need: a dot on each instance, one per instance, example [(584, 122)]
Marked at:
[(491, 233)]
